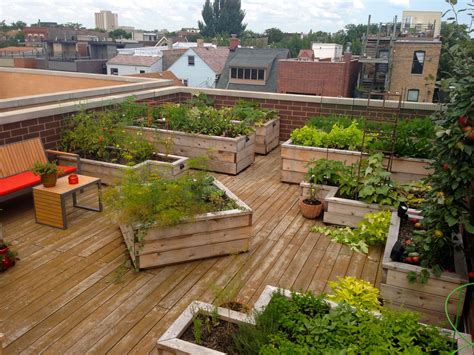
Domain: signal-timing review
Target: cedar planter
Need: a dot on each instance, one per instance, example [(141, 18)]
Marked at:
[(325, 191), (226, 155), (111, 173), (295, 157), (267, 136), (427, 299), (204, 236), (170, 342)]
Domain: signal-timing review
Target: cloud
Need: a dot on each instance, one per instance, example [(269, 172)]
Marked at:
[(404, 3)]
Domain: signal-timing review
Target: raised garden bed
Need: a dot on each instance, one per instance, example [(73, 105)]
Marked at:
[(204, 236), (172, 342), (267, 136), (427, 299), (295, 157), (324, 192), (111, 173), (226, 155)]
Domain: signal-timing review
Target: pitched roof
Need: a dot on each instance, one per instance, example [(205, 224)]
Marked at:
[(172, 55), (160, 75), (215, 58), (138, 60), (253, 58)]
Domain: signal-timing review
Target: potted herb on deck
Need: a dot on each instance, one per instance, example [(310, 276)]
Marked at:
[(311, 206), (48, 172)]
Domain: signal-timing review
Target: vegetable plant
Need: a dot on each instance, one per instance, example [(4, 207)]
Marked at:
[(355, 292), (326, 172), (371, 230)]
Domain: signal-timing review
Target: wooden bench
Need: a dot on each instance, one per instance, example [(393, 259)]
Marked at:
[(16, 162)]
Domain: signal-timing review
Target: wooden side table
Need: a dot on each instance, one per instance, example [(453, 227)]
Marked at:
[(50, 202)]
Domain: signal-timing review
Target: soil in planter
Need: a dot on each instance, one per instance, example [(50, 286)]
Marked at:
[(214, 335), (116, 159)]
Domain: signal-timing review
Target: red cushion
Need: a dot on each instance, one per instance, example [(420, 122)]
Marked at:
[(21, 181)]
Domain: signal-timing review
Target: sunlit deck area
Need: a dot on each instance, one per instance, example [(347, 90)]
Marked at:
[(73, 291)]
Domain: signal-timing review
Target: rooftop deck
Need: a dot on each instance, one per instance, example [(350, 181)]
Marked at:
[(73, 291)]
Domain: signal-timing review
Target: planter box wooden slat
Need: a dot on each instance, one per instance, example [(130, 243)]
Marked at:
[(226, 155), (427, 299), (267, 136), (111, 173), (295, 157), (204, 236)]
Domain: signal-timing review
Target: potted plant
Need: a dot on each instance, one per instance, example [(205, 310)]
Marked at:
[(7, 256), (311, 207), (48, 172)]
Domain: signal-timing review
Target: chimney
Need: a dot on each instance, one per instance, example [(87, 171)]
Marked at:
[(200, 42), (233, 43)]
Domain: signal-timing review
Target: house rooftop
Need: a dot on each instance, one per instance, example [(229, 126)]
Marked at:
[(138, 60), (215, 58)]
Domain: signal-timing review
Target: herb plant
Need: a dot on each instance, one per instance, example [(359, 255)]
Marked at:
[(371, 230), (357, 293), (47, 168), (326, 172)]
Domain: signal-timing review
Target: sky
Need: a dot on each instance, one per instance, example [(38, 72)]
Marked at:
[(289, 16)]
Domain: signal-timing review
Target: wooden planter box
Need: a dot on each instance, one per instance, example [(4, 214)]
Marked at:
[(267, 136), (427, 299), (111, 173), (226, 155), (295, 157), (204, 236), (325, 191), (170, 342)]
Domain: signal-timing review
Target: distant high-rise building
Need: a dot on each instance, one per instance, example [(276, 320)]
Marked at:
[(106, 20)]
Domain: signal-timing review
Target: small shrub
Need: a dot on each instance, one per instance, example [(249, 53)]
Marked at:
[(326, 172)]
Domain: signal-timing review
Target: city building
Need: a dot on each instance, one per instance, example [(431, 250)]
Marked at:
[(201, 66), (106, 20), (403, 57), (307, 76), (124, 64), (332, 51), (251, 69)]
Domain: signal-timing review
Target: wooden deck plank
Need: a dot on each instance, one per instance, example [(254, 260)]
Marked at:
[(72, 291)]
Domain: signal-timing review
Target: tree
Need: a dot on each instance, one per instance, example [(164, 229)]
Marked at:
[(274, 35), (119, 33), (222, 16)]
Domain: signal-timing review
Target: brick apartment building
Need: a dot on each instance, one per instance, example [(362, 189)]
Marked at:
[(304, 75)]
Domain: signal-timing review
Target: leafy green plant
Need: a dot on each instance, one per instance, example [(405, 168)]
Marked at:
[(200, 100), (326, 172), (46, 168), (251, 114), (318, 329), (355, 292), (371, 230), (197, 330)]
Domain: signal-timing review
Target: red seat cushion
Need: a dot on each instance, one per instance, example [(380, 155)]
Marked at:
[(21, 181)]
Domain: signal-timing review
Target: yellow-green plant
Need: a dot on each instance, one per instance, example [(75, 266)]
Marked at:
[(355, 292)]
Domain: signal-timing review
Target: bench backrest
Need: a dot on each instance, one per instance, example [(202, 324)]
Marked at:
[(21, 156)]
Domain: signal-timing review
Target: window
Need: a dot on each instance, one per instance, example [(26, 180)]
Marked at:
[(185, 82), (191, 60), (113, 71), (142, 72), (412, 95), (418, 60), (252, 74)]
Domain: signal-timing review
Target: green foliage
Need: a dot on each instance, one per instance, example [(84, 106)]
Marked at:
[(326, 172), (414, 137), (120, 34), (197, 330), (102, 136), (357, 293), (251, 114), (446, 207), (413, 194), (274, 35), (204, 120), (375, 184), (47, 168), (153, 200), (371, 230), (305, 324), (200, 100), (222, 16), (339, 137)]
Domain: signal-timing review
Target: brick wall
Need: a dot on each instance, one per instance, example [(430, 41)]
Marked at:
[(401, 78), (317, 78), (49, 128), (294, 114)]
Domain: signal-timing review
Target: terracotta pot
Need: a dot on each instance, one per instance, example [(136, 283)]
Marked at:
[(309, 210), (49, 180)]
